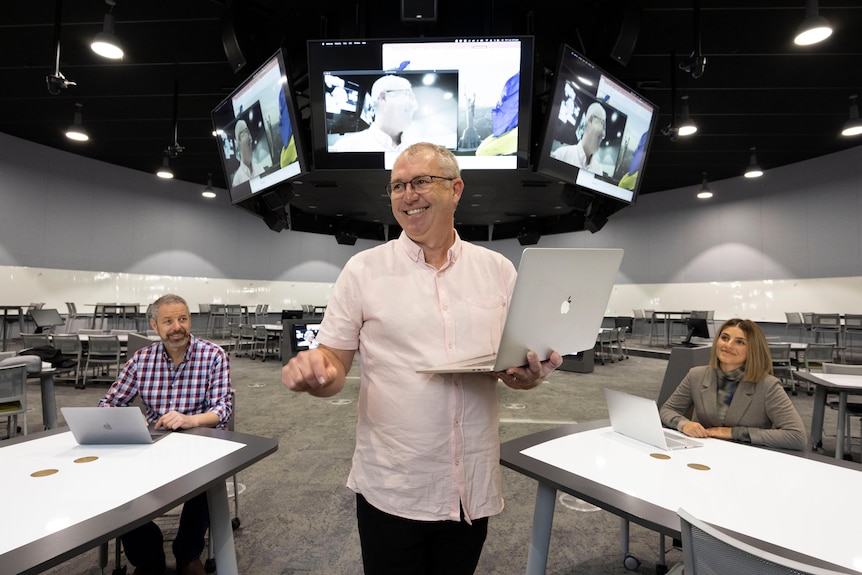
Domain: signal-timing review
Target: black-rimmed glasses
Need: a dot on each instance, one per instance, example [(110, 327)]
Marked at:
[(420, 185)]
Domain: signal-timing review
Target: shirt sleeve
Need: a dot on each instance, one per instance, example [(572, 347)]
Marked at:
[(219, 391), (125, 387)]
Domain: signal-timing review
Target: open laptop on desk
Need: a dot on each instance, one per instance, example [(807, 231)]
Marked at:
[(110, 425), (558, 304), (638, 418)]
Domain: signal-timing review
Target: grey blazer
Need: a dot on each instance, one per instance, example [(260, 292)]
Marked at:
[(761, 411)]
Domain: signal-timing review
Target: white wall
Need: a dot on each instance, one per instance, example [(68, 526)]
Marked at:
[(73, 229)]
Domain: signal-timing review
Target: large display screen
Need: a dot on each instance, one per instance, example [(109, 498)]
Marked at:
[(256, 128), (598, 131), (370, 99)]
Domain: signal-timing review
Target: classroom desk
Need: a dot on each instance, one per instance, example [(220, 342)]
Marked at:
[(105, 311), (53, 518), (747, 490), (826, 383), (7, 320), (668, 318)]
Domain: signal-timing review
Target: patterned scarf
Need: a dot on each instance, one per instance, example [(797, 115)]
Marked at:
[(727, 383)]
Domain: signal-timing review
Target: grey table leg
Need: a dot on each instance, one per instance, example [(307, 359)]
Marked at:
[(221, 529), (543, 520)]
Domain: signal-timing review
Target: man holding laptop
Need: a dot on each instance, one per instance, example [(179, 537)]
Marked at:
[(426, 465), (183, 382)]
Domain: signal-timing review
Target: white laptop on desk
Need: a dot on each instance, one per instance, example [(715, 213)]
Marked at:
[(558, 304), (638, 418), (110, 425)]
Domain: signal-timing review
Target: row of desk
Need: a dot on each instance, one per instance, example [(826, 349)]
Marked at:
[(763, 496), (79, 509)]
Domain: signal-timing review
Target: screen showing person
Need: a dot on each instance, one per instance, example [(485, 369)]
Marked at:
[(251, 146), (598, 130), (486, 94), (394, 111), (305, 336), (257, 132)]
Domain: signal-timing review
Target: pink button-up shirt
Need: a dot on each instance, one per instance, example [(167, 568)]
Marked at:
[(425, 444)]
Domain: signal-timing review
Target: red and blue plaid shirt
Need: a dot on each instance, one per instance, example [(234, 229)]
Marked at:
[(200, 383)]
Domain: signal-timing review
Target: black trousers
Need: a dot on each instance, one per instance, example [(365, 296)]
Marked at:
[(144, 545), (393, 545)]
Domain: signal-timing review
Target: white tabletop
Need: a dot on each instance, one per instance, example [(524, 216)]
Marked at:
[(746, 489), (80, 491)]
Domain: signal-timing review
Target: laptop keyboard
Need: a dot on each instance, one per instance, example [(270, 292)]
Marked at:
[(676, 442)]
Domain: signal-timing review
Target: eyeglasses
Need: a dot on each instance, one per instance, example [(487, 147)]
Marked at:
[(603, 122), (420, 185)]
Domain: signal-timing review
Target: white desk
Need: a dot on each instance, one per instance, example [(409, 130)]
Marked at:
[(748, 490), (84, 504), (825, 383)]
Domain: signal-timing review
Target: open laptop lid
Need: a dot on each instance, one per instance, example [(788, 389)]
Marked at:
[(637, 417), (558, 303), (108, 425)]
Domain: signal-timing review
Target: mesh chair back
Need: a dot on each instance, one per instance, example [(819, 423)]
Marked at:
[(817, 353), (34, 339), (780, 353), (842, 368), (13, 396), (708, 551)]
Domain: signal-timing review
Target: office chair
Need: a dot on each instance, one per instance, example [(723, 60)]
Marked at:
[(781, 367), (854, 409), (13, 397), (708, 551)]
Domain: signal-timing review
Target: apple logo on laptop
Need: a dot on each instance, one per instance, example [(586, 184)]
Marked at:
[(107, 426), (564, 308)]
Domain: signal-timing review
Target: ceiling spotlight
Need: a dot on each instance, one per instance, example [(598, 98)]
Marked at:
[(105, 43), (165, 171), (686, 126), (815, 28), (208, 192), (76, 131), (704, 193), (853, 126), (753, 170)]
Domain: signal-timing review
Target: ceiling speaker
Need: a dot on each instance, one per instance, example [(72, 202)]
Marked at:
[(628, 36), (595, 223), (530, 238), (230, 41), (345, 238), (274, 221)]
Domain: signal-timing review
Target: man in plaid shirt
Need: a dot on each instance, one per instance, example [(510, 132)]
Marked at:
[(183, 382)]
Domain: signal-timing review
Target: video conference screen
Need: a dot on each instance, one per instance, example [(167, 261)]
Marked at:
[(259, 146), (304, 336), (370, 99), (598, 131)]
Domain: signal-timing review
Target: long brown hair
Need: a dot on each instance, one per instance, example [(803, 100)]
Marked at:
[(758, 361)]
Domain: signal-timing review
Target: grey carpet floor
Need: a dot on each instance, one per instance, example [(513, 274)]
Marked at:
[(297, 516)]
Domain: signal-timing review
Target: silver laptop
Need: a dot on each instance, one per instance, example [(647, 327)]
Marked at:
[(558, 304), (638, 418), (110, 425)]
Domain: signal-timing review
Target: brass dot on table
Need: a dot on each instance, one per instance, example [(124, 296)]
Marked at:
[(660, 455), (699, 466), (44, 472), (87, 459)]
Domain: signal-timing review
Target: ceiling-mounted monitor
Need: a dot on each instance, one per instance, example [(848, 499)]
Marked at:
[(598, 131), (371, 98), (260, 145)]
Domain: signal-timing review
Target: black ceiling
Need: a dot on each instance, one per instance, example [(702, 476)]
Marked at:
[(757, 89)]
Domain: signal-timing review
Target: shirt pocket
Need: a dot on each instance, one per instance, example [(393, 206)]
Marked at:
[(486, 316)]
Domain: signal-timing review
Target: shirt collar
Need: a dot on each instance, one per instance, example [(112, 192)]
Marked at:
[(189, 349), (414, 250)]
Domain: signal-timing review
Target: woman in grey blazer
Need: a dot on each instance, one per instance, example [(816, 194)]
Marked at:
[(735, 397)]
